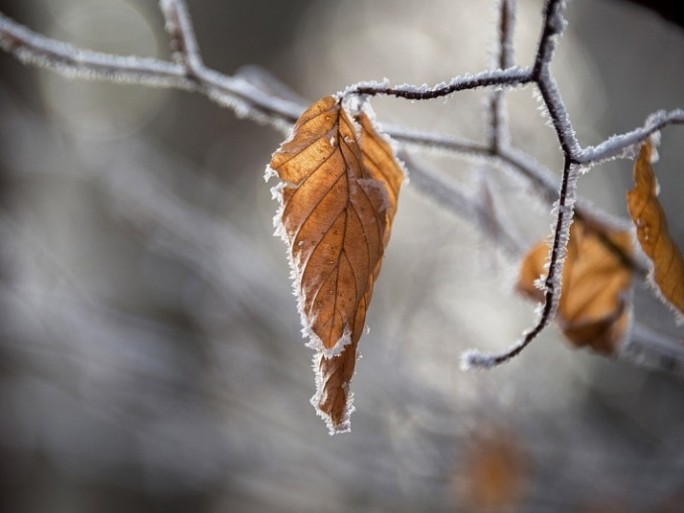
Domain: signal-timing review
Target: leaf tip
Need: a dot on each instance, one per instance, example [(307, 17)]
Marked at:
[(336, 414), (344, 426)]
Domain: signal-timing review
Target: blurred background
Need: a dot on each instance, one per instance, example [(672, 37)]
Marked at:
[(150, 354)]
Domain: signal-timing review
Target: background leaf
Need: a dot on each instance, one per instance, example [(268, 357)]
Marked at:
[(494, 473), (652, 232), (594, 309)]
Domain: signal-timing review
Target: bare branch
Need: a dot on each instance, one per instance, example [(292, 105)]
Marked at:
[(234, 93), (552, 283), (32, 48), (182, 35), (506, 25), (554, 23), (617, 145), (511, 77), (498, 134), (533, 171)]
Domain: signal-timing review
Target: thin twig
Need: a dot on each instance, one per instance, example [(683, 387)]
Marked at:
[(552, 283), (237, 94), (616, 145), (182, 36), (33, 48), (554, 23), (511, 77), (498, 133), (507, 157), (552, 27), (506, 25)]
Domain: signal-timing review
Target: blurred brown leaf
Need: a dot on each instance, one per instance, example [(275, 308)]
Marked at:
[(652, 232), (493, 473), (594, 309), (339, 195)]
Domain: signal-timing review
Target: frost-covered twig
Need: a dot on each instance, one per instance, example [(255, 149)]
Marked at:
[(554, 23), (552, 28), (498, 133), (234, 93), (181, 35), (33, 48), (616, 145), (545, 185), (514, 76), (552, 283), (506, 23)]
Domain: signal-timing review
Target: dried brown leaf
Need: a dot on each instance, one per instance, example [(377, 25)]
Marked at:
[(652, 233), (593, 309), (339, 190)]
